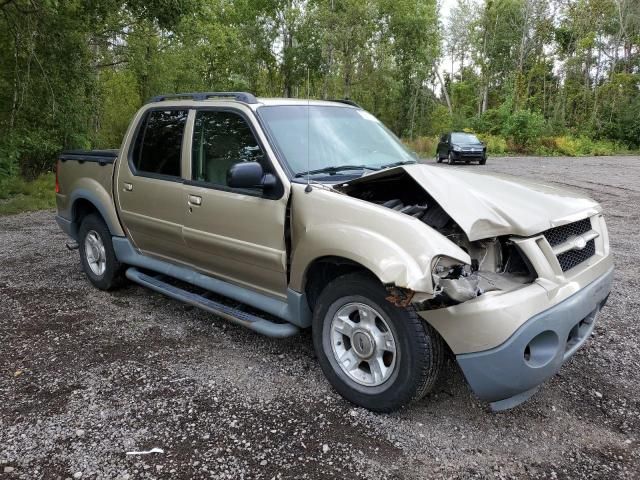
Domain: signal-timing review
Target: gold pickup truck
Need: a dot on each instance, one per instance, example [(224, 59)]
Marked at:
[(312, 214)]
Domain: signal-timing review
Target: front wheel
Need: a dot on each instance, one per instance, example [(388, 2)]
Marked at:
[(373, 353), (450, 160), (483, 161)]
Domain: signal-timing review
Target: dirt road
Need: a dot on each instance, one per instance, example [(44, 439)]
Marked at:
[(87, 376)]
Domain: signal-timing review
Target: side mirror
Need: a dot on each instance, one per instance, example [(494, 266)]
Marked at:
[(249, 175)]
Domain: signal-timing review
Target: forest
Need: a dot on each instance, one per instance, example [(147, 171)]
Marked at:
[(557, 77)]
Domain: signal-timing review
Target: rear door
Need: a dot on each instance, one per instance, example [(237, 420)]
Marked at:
[(443, 146), (235, 234), (149, 183)]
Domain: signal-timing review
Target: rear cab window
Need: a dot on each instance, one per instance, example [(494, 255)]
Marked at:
[(158, 146)]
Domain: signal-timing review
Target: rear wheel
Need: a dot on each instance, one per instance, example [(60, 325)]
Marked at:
[(97, 255), (438, 158), (373, 353)]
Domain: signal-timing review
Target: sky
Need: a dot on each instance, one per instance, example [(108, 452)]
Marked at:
[(445, 7)]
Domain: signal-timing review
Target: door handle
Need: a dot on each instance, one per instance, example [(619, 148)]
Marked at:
[(195, 200), (128, 186)]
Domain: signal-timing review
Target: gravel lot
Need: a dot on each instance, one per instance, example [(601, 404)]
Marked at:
[(86, 376)]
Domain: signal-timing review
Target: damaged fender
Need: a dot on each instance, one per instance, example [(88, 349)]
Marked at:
[(398, 249)]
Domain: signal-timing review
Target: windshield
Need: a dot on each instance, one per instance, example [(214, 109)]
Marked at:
[(464, 138), (332, 137)]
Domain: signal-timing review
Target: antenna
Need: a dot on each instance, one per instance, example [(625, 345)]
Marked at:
[(308, 188)]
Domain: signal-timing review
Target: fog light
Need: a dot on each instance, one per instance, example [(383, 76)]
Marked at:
[(542, 349)]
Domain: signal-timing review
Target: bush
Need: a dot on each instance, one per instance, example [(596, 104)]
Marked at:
[(565, 146), (523, 128), (440, 120), (496, 145), (425, 147), (492, 121), (577, 146)]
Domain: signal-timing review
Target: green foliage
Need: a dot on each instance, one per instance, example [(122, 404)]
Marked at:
[(18, 195), (441, 120), (496, 145), (524, 128), (577, 146), (75, 71), (425, 146)]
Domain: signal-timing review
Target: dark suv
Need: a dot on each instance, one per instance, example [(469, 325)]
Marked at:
[(461, 147)]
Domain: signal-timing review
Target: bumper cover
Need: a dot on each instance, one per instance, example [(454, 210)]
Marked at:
[(67, 226), (467, 155), (510, 373)]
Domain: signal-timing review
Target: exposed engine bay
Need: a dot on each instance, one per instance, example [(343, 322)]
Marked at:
[(496, 263)]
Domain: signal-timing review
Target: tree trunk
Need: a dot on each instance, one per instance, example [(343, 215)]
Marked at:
[(16, 80), (444, 91)]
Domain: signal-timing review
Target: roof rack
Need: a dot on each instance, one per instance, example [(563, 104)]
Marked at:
[(346, 101), (239, 96)]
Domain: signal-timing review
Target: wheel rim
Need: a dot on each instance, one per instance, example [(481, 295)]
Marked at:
[(363, 344), (95, 253)]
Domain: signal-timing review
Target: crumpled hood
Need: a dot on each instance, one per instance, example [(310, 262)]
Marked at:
[(487, 205)]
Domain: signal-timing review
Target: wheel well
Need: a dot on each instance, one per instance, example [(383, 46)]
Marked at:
[(324, 270), (82, 208)]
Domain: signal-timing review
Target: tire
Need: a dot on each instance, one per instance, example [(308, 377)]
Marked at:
[(438, 158), (450, 159), (483, 161), (411, 370), (97, 256)]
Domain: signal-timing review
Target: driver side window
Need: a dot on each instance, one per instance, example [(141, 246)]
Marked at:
[(220, 140)]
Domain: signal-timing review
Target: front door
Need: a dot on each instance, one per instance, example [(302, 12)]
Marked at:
[(149, 184), (238, 235)]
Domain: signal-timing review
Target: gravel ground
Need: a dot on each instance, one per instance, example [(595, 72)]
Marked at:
[(86, 376)]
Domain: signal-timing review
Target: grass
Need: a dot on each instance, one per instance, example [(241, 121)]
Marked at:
[(18, 195)]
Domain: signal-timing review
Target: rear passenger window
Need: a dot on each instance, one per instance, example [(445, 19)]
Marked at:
[(159, 142), (221, 139)]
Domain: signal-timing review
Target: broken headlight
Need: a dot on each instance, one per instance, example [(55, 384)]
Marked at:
[(454, 279)]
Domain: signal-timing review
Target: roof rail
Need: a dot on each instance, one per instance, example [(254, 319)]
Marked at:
[(346, 101), (239, 96)]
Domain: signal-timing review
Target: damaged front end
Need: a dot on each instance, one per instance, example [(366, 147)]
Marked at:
[(496, 262), (496, 265)]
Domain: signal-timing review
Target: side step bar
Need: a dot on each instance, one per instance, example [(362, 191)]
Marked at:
[(244, 319)]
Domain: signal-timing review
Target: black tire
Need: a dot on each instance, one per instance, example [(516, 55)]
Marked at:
[(450, 159), (438, 158), (483, 161), (113, 275), (419, 348)]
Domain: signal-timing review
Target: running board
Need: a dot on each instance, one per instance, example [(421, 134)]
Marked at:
[(244, 319)]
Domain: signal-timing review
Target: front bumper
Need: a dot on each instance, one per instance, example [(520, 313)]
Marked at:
[(467, 155), (510, 373)]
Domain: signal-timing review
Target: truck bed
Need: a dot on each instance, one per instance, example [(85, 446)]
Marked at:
[(102, 157), (86, 176)]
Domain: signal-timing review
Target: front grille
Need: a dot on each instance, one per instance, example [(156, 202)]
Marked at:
[(556, 236), (572, 258)]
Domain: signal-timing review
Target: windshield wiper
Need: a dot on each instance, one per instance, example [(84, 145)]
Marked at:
[(397, 164), (335, 169)]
